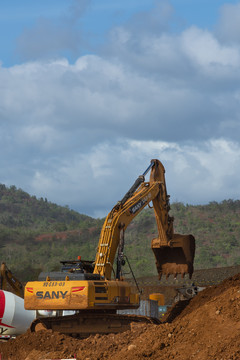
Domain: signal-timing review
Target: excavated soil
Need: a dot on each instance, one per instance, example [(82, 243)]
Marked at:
[(205, 328)]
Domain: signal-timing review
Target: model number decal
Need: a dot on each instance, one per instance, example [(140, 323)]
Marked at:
[(51, 294), (53, 283)]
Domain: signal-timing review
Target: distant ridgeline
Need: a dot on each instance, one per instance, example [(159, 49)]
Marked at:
[(36, 234)]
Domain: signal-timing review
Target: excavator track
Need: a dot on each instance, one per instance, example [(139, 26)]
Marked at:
[(83, 325)]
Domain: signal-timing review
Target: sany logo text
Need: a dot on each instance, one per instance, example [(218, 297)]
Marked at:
[(51, 294)]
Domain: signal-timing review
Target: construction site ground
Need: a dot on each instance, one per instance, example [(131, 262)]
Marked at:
[(204, 328)]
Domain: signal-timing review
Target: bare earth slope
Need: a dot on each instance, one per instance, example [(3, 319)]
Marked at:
[(206, 328)]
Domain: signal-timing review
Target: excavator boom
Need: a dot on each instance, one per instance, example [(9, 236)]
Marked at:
[(174, 253)]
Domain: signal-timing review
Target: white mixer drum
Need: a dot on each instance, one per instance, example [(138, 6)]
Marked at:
[(14, 319)]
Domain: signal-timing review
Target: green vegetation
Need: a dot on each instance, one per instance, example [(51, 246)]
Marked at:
[(36, 234)]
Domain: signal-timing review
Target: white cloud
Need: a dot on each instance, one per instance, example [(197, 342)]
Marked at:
[(80, 133), (93, 182), (43, 137), (205, 50)]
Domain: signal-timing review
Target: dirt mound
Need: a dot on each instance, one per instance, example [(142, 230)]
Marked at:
[(41, 345), (206, 328)]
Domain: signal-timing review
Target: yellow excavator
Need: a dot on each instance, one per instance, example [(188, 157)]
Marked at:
[(88, 288), (9, 282)]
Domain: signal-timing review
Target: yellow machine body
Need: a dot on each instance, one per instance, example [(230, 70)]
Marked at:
[(80, 295)]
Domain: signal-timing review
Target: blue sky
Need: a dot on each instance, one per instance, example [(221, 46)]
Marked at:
[(91, 91), (97, 19)]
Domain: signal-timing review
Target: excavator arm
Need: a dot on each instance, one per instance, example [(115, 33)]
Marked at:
[(174, 253)]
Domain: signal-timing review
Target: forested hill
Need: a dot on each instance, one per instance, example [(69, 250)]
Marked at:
[(20, 210), (36, 234)]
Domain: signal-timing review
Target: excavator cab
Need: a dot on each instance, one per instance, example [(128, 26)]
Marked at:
[(174, 253)]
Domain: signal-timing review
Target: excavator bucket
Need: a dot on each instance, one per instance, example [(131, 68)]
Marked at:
[(177, 258)]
